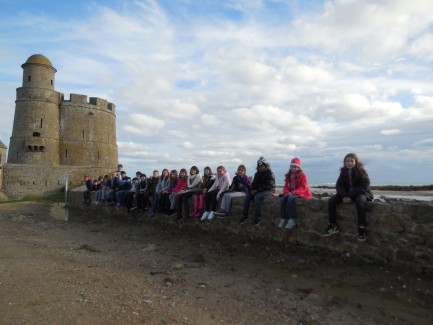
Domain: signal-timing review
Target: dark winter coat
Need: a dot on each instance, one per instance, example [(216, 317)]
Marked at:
[(263, 181), (360, 185)]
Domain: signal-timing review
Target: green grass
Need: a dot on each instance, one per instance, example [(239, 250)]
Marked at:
[(54, 197)]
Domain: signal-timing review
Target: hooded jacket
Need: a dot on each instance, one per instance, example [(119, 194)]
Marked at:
[(301, 187)]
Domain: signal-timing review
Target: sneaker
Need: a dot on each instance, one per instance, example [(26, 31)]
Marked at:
[(361, 234), (257, 222), (291, 224), (133, 208), (223, 216), (243, 220), (204, 216), (220, 212), (281, 223), (211, 215), (331, 230), (152, 216)]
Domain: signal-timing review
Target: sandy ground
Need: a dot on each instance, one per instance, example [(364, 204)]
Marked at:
[(93, 270)]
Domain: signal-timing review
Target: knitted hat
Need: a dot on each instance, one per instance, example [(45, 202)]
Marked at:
[(296, 162), (262, 161)]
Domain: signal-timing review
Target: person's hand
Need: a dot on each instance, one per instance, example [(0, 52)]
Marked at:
[(204, 190), (218, 198), (287, 194), (347, 200)]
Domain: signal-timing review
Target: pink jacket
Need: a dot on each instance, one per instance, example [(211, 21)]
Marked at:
[(301, 188)]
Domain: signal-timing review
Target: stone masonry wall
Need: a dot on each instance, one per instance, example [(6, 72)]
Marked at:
[(398, 233), (22, 180)]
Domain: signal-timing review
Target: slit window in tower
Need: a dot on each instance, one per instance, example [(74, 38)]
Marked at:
[(41, 123), (29, 78), (66, 153), (51, 82), (83, 134)]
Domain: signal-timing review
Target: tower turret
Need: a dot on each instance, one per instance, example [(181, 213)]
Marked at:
[(35, 133)]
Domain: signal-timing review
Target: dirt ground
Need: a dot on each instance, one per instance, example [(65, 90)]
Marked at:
[(58, 268)]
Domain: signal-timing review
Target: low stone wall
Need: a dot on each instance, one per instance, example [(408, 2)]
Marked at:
[(20, 180), (397, 233)]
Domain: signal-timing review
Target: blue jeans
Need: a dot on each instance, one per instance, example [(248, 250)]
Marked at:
[(291, 206), (257, 198)]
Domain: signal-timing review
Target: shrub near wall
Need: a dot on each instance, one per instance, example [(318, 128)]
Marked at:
[(398, 232)]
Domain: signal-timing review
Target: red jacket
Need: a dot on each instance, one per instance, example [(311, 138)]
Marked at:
[(182, 183), (301, 186)]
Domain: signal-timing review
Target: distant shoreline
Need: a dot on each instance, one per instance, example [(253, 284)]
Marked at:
[(402, 188)]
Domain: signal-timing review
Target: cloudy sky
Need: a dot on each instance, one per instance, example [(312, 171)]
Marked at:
[(207, 82)]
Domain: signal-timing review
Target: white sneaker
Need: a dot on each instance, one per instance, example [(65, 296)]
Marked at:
[(281, 223), (204, 216), (291, 224), (211, 215)]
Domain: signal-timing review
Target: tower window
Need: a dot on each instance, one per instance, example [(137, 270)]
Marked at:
[(29, 78), (42, 148), (66, 153), (28, 147), (36, 134), (83, 134), (51, 82), (41, 124)]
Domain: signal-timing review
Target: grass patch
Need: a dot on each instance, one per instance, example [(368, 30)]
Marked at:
[(54, 197)]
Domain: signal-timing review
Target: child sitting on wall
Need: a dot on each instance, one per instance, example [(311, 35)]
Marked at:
[(295, 185), (212, 196), (263, 185), (89, 188), (240, 187), (353, 185)]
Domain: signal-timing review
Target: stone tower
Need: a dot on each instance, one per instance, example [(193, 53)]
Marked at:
[(35, 133), (53, 137)]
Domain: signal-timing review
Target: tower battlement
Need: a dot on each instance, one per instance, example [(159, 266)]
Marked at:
[(81, 100)]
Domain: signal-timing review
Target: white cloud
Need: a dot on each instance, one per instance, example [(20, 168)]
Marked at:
[(390, 132), (373, 30), (140, 124), (422, 47)]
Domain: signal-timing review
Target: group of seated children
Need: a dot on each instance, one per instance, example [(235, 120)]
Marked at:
[(171, 192)]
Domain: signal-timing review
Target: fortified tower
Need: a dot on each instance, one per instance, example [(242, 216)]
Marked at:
[(35, 133), (53, 138)]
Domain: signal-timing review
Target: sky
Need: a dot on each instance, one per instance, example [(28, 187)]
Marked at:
[(224, 82)]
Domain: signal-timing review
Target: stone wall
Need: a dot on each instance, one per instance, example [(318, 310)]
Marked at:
[(22, 180), (398, 233)]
